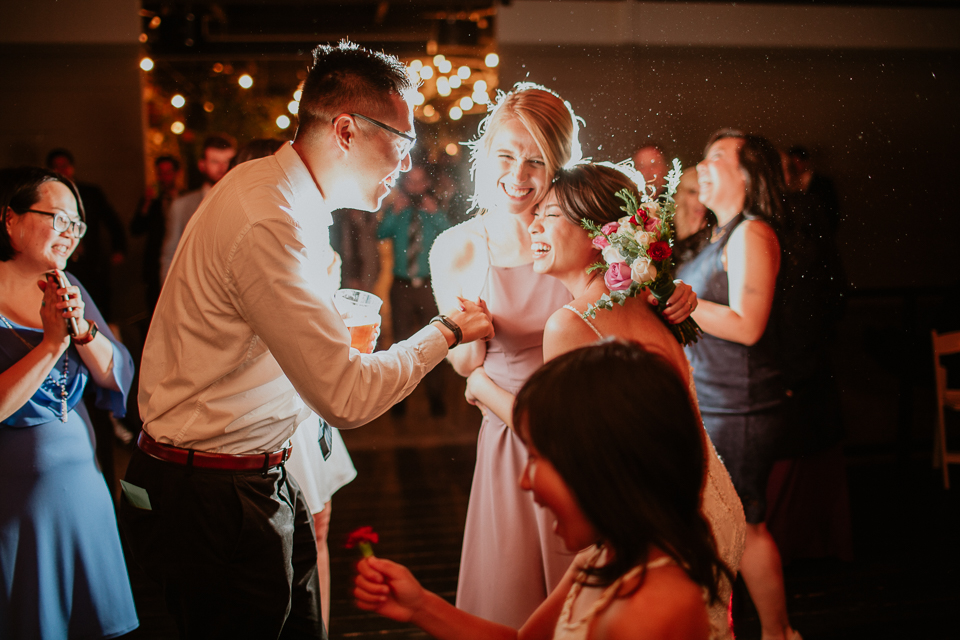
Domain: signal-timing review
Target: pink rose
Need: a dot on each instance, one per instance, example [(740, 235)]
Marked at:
[(617, 276), (610, 228), (601, 243)]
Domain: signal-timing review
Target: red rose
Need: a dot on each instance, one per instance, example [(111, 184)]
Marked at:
[(659, 250)]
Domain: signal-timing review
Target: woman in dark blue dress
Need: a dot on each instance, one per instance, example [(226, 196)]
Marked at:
[(735, 364), (62, 572)]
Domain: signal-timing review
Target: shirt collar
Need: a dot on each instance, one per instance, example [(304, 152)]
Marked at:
[(306, 192)]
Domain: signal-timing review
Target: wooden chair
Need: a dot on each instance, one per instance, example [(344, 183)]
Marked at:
[(944, 344)]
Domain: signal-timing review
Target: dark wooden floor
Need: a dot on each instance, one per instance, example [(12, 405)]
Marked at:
[(415, 472), (904, 582)]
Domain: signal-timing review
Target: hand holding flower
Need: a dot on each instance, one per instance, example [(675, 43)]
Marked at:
[(363, 538), (388, 589)]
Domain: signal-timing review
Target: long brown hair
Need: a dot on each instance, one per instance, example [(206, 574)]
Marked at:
[(760, 162)]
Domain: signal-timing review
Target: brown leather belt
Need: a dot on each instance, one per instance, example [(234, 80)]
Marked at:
[(202, 459)]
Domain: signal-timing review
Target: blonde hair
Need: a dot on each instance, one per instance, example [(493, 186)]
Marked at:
[(548, 119)]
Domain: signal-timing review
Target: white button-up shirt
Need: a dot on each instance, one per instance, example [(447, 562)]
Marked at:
[(245, 333)]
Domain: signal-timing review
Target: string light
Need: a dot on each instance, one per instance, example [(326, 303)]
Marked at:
[(464, 72), (297, 95), (491, 60), (443, 86), (146, 64), (178, 101), (416, 65), (444, 66), (293, 107), (456, 113), (178, 127), (455, 82), (466, 103), (283, 122), (481, 97), (419, 98), (245, 81), (437, 59), (426, 72), (480, 85)]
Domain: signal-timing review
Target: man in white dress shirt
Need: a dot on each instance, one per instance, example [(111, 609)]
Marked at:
[(245, 342)]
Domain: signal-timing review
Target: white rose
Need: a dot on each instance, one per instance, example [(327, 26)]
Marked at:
[(611, 255), (644, 238), (642, 270)]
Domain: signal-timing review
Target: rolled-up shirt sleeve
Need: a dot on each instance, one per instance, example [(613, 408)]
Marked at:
[(272, 275)]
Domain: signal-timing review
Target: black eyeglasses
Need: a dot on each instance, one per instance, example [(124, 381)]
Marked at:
[(409, 140), (62, 222)]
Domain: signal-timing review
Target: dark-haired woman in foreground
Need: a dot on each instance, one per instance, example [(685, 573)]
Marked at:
[(735, 364), (620, 466), (62, 572)]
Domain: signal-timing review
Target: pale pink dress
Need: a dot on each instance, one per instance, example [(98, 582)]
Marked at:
[(511, 558)]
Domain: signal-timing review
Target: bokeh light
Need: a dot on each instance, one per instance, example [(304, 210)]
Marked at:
[(443, 86), (452, 149), (293, 107), (444, 66), (463, 72), (480, 85), (146, 64), (456, 113), (455, 82), (208, 107), (178, 101), (491, 60), (419, 98), (426, 72), (466, 103), (283, 122), (178, 127), (245, 81)]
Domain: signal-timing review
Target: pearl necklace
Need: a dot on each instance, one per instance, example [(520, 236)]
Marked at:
[(62, 385)]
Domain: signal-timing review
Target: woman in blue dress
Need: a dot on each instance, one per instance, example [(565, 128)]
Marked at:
[(62, 571)]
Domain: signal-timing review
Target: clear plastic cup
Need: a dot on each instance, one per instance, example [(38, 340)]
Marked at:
[(360, 311)]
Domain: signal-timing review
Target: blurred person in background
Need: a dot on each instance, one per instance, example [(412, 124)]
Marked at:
[(149, 221), (406, 235), (215, 156), (692, 221), (92, 260), (651, 161)]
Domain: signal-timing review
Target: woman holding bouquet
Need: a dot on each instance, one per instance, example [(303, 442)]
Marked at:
[(735, 364), (564, 250), (511, 560)]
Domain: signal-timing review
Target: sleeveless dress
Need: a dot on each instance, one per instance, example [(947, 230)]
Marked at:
[(569, 629), (511, 558), (722, 509), (740, 388), (62, 568)]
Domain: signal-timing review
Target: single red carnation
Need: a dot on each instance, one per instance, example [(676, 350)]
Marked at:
[(363, 534), (659, 250)]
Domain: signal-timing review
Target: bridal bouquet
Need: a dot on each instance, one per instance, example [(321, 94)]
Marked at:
[(637, 252)]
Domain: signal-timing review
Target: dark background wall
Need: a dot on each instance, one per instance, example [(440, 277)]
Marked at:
[(879, 114)]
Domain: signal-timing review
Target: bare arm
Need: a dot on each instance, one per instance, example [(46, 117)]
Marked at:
[(390, 590), (457, 268), (753, 260), (482, 390)]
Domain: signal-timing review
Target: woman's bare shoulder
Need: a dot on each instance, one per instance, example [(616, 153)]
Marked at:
[(565, 331), (669, 605), (456, 247)]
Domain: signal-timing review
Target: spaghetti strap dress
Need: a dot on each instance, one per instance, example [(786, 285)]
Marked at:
[(511, 558), (61, 565), (722, 510)]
